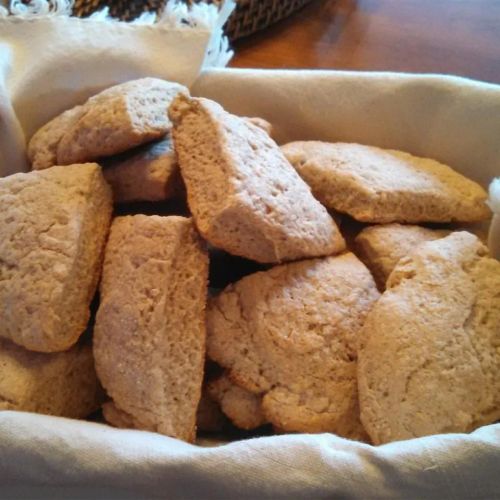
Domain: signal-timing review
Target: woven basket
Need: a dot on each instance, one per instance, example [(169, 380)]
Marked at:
[(249, 16)]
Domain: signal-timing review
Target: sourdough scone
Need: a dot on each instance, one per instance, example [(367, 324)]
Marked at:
[(380, 247), (115, 120), (430, 357), (62, 384), (244, 195), (242, 407), (54, 225), (290, 335), (149, 337), (149, 173), (377, 185)]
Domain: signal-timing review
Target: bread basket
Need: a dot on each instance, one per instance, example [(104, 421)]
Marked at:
[(249, 16)]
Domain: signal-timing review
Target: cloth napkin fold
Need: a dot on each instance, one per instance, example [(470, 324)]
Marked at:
[(50, 457)]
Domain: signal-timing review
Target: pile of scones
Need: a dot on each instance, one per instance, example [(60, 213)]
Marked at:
[(363, 308)]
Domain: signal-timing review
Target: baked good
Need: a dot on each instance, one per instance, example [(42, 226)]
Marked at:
[(242, 407), (377, 185), (42, 148), (149, 336), (147, 173), (115, 120), (62, 383), (289, 334), (429, 357), (54, 225), (261, 123), (380, 247), (244, 196)]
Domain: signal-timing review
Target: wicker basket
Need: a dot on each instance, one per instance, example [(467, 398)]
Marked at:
[(249, 16)]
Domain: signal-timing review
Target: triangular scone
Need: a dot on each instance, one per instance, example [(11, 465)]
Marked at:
[(115, 120), (62, 383), (381, 247), (54, 225), (149, 336), (147, 173), (429, 361), (242, 407), (244, 195), (290, 335), (377, 185)]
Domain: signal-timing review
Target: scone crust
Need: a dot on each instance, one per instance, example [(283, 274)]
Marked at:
[(429, 358), (54, 225), (244, 195), (382, 186), (149, 337), (290, 335)]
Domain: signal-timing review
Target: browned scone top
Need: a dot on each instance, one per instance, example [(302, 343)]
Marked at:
[(54, 225), (381, 247), (290, 335), (244, 195), (377, 185), (149, 337), (242, 407), (115, 120), (62, 383), (429, 358)]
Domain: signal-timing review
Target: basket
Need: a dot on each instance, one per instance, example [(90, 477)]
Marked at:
[(248, 17)]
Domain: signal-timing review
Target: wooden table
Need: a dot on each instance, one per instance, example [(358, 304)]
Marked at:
[(460, 37)]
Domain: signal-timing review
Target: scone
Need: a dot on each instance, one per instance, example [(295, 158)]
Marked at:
[(290, 335), (209, 417), (148, 173), (261, 123), (42, 148), (244, 195), (242, 407), (429, 359), (54, 225), (149, 336), (377, 185), (380, 247), (62, 384), (115, 120)]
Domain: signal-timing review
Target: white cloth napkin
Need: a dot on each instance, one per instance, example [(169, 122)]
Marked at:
[(50, 457), (49, 64)]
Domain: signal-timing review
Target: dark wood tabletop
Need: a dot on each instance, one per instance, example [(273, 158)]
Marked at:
[(459, 37)]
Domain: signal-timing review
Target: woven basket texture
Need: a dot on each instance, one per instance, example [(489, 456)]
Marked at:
[(248, 17)]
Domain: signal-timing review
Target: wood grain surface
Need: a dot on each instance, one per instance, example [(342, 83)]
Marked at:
[(460, 37)]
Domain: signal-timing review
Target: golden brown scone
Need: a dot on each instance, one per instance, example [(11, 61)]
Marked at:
[(244, 195), (148, 173), (42, 148), (242, 407), (377, 185), (290, 335), (115, 120), (62, 384), (430, 357), (380, 247), (149, 336), (53, 227)]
